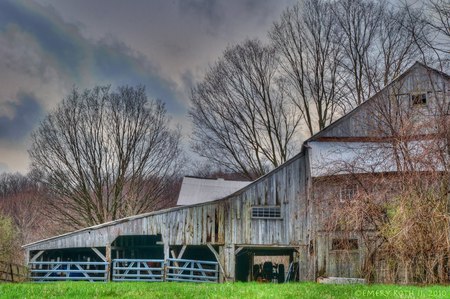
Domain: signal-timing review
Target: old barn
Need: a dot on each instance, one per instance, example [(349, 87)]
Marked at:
[(272, 228)]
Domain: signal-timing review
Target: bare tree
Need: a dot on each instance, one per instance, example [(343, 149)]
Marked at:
[(15, 183), (7, 239), (437, 19), (104, 155), (307, 40), (359, 22), (335, 55), (394, 48), (242, 118)]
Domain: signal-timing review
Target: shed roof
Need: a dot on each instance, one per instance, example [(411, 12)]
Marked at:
[(198, 190)]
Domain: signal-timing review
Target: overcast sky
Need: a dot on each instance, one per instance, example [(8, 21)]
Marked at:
[(49, 46)]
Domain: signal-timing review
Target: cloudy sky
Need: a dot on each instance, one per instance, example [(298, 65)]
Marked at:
[(49, 46)]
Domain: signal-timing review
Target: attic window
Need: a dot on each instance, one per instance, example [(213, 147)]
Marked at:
[(348, 192), (344, 244), (419, 99), (266, 212)]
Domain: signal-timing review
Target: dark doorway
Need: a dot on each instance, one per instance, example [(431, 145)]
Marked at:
[(137, 247), (265, 264)]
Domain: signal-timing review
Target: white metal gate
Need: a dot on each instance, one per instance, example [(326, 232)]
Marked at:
[(137, 270), (60, 271), (192, 270)]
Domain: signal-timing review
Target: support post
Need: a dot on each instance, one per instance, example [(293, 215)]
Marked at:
[(227, 259), (183, 249), (303, 264), (35, 257), (217, 258), (166, 258), (108, 260), (238, 250), (100, 255)]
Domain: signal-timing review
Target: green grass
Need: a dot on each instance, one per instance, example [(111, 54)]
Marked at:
[(228, 290)]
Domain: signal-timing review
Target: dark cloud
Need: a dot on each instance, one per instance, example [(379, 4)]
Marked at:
[(107, 61), (49, 46), (115, 62), (55, 39), (24, 113)]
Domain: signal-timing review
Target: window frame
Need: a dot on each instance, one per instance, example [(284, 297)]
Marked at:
[(253, 208), (346, 188), (342, 241), (419, 101)]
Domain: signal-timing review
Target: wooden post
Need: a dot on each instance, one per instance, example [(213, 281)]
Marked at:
[(229, 260), (218, 260), (35, 257), (11, 272), (27, 257), (166, 259), (180, 254), (108, 260)]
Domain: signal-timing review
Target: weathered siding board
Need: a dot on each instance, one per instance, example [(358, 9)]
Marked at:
[(226, 221), (418, 80)]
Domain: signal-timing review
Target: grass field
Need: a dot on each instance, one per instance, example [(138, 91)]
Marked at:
[(229, 290)]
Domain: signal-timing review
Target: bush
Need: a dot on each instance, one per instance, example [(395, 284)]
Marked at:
[(7, 239)]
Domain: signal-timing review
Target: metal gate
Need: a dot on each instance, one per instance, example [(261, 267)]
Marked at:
[(192, 270), (137, 270), (53, 271)]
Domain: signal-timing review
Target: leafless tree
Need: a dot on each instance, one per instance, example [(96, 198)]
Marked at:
[(242, 118), (394, 47), (308, 42), (15, 183), (104, 155), (26, 209), (429, 25), (359, 22), (437, 20), (335, 55), (434, 17), (7, 239)]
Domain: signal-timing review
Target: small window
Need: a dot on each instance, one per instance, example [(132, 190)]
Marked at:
[(419, 99), (266, 212), (344, 244), (348, 192)]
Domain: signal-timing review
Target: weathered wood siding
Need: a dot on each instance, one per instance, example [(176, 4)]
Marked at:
[(364, 121), (226, 221)]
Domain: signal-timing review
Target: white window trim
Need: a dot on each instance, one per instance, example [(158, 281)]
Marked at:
[(346, 188), (265, 217)]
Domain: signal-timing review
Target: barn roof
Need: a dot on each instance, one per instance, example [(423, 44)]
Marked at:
[(197, 190), (355, 110)]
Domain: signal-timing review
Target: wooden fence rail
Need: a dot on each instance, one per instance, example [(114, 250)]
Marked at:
[(10, 272)]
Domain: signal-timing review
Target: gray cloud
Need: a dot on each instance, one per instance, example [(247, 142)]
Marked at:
[(24, 114), (75, 56), (49, 46), (4, 167)]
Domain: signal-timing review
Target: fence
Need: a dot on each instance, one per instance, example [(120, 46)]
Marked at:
[(12, 272), (126, 270), (138, 270), (54, 271), (192, 270)]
